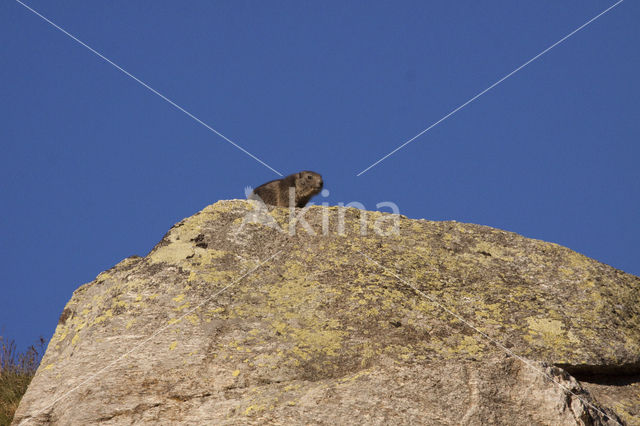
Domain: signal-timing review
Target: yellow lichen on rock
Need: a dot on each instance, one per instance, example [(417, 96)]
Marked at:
[(243, 325), (546, 331)]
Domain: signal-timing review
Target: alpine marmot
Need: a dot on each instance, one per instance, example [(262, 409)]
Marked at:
[(276, 192)]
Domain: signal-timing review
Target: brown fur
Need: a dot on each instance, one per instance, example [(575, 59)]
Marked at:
[(276, 193)]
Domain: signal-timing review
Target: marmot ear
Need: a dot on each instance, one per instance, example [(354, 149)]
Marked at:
[(299, 174)]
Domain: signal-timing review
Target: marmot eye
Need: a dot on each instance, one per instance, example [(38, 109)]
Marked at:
[(309, 177)]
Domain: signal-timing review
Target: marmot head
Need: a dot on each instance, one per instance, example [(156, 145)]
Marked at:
[(308, 183)]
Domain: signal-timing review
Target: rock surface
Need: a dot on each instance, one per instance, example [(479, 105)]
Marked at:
[(232, 322)]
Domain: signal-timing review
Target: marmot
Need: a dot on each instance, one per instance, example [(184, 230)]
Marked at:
[(276, 192)]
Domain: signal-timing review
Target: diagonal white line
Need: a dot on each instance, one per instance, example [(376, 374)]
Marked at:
[(487, 337), (490, 87), (145, 85), (160, 330)]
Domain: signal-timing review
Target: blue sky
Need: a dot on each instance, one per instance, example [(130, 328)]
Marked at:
[(96, 168)]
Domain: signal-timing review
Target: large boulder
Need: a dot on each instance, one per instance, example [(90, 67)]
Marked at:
[(241, 315)]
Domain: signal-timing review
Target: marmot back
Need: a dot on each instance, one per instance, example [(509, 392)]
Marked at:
[(276, 192)]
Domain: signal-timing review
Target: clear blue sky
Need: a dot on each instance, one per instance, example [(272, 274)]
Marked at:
[(95, 168)]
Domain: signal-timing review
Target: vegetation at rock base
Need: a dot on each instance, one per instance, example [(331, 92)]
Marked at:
[(16, 371)]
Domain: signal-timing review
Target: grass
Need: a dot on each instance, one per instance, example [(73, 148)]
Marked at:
[(16, 371)]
